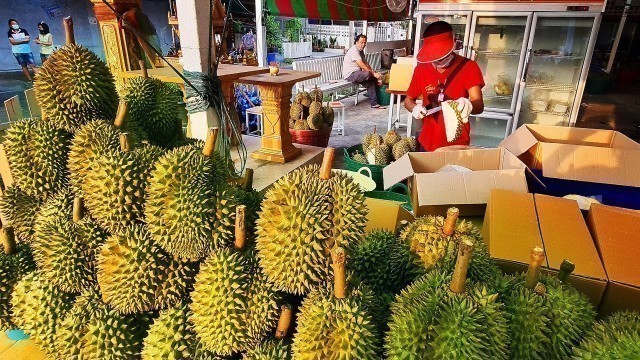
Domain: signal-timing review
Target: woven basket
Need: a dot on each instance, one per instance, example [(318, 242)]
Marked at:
[(319, 138)]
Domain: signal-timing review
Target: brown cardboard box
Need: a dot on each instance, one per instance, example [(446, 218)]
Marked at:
[(385, 214), (617, 235), (432, 193), (400, 77), (515, 223)]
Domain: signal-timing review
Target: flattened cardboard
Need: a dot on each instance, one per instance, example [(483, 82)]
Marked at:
[(400, 77), (385, 214), (5, 170)]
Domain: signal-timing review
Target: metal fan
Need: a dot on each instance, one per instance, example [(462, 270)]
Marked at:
[(397, 5)]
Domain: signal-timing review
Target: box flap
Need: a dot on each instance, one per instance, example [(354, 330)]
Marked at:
[(397, 171), (621, 141), (400, 77), (520, 141), (559, 218), (618, 238), (591, 164), (385, 214), (510, 161)]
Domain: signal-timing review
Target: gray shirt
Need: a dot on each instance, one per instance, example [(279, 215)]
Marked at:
[(349, 66)]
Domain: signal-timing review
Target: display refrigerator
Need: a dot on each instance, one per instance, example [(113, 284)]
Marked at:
[(534, 57)]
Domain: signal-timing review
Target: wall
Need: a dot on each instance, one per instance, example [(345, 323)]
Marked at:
[(373, 47)]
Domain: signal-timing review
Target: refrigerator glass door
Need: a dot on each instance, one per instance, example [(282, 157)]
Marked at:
[(499, 47), (555, 60), (461, 22)]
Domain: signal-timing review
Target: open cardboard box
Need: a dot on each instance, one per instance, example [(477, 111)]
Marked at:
[(588, 162), (515, 223), (433, 193), (617, 236), (385, 214)]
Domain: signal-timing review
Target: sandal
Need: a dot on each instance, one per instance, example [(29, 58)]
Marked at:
[(378, 107)]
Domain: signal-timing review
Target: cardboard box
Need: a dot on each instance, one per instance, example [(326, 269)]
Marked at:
[(400, 77), (385, 214), (432, 193), (515, 223), (617, 236), (588, 162)]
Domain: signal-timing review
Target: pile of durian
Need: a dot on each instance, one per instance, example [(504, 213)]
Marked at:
[(308, 113), (124, 243), (382, 150)]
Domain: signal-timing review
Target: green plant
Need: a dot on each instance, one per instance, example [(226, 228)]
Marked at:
[(292, 29), (333, 41), (274, 34)]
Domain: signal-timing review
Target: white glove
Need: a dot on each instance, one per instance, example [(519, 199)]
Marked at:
[(463, 107), (418, 112)]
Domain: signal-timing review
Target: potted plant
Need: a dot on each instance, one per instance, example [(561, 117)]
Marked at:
[(274, 68), (332, 42)]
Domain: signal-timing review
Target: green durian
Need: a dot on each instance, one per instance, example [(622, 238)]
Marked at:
[(296, 111), (301, 124), (16, 262), (71, 331), (115, 191), (316, 94), (155, 106), (19, 211), (445, 316), (136, 275), (400, 148), (302, 216), (315, 121), (74, 87), (38, 310), (272, 349), (227, 199), (303, 98), (180, 205), (329, 115), (64, 249), (359, 157), (616, 337), (391, 138), (37, 155), (315, 108)]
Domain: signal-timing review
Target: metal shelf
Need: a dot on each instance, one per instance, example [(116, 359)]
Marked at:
[(558, 57), (496, 54), (552, 87), (497, 97), (547, 113)]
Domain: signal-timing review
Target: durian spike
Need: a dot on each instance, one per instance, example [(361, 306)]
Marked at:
[(210, 144), (327, 163), (78, 209), (68, 30), (451, 220), (125, 142), (241, 231), (143, 69), (248, 179), (566, 268), (121, 115), (540, 289), (284, 322), (8, 238), (533, 272), (459, 279), (401, 226), (339, 273)]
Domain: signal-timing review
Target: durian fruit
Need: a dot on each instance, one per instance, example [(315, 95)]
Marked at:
[(296, 111), (70, 332), (279, 347), (179, 209), (316, 94), (74, 86), (233, 305), (445, 316), (15, 262), (64, 245), (37, 155), (115, 190), (304, 214), (401, 147), (616, 337), (335, 325), (391, 138), (315, 108), (315, 121), (369, 139), (378, 153), (413, 143), (136, 275), (19, 210), (38, 309), (155, 106), (301, 125), (359, 157), (303, 98), (329, 115)]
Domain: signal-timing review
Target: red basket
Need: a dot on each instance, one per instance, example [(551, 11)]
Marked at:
[(318, 138)]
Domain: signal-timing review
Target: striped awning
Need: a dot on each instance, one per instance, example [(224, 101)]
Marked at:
[(370, 10)]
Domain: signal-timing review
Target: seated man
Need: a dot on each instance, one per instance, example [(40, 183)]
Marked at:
[(356, 70)]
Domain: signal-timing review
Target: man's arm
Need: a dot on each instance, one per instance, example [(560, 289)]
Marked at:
[(365, 67), (475, 96), (409, 103)]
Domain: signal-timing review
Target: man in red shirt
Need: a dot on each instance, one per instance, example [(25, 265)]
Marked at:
[(442, 75)]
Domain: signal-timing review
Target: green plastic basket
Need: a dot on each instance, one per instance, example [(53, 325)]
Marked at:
[(384, 98), (352, 165), (398, 192)]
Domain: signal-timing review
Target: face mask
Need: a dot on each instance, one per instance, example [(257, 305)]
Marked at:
[(15, 27), (42, 32), (443, 63)]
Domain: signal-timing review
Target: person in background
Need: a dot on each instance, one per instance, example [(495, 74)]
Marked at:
[(45, 40), (248, 42), (356, 70), (442, 75), (19, 39)]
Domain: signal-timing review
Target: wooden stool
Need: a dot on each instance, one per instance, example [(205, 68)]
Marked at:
[(257, 111), (338, 108)]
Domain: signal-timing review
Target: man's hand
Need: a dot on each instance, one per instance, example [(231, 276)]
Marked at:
[(419, 112), (37, 41), (377, 75)]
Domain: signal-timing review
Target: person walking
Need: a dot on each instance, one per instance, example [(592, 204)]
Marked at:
[(356, 70), (45, 40), (19, 39)]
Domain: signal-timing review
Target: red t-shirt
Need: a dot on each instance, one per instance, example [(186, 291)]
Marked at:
[(425, 82)]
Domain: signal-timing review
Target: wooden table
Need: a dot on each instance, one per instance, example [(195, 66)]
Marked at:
[(275, 92)]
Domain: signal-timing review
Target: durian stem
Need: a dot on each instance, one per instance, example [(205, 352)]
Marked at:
[(248, 179), (459, 279), (533, 272), (68, 30), (284, 322), (78, 209), (121, 115), (210, 143), (566, 268), (125, 142), (8, 240), (143, 69), (339, 273), (241, 231), (327, 163), (451, 220)]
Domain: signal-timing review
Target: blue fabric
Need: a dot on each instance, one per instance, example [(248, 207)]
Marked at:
[(25, 59), (20, 48), (242, 104)]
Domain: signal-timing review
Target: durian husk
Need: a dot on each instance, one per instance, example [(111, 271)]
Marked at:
[(315, 108), (19, 210), (616, 337), (301, 125), (378, 154), (315, 121), (401, 147), (391, 138), (13, 267), (271, 349), (359, 157), (316, 94), (226, 201)]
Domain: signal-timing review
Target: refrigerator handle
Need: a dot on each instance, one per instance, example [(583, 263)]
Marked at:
[(526, 65)]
